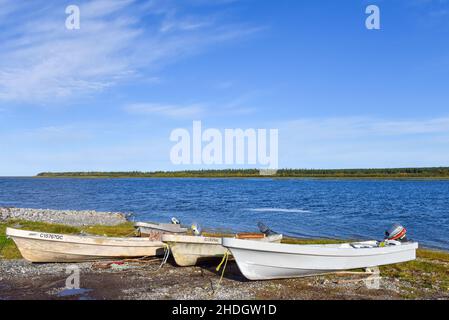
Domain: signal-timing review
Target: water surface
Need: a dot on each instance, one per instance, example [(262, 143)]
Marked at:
[(360, 209)]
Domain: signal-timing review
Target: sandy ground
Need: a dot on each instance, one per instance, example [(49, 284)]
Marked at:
[(144, 280)]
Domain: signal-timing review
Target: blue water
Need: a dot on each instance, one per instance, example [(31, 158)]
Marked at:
[(350, 209)]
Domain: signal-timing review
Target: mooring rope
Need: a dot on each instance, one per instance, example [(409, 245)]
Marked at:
[(225, 261), (166, 255)]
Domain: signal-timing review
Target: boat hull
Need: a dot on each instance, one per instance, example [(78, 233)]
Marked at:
[(155, 230), (191, 250), (276, 261), (46, 247)]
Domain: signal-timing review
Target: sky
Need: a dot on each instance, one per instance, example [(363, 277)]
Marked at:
[(107, 96)]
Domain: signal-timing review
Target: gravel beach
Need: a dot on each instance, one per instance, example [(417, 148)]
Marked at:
[(424, 278), (65, 217), (144, 280)]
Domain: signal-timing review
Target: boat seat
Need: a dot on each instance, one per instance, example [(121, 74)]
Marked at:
[(363, 245)]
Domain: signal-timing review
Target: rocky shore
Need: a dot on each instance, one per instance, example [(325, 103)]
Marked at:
[(143, 280), (424, 278), (65, 217)]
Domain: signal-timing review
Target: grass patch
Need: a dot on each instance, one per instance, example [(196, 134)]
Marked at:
[(122, 230), (433, 255), (430, 271), (40, 226)]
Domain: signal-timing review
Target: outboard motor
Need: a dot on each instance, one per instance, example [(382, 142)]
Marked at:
[(265, 230), (397, 233)]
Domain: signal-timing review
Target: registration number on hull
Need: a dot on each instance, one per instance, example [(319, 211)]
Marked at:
[(51, 236)]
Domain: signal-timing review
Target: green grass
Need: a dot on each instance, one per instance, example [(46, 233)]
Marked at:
[(121, 230), (433, 255), (430, 271), (10, 251)]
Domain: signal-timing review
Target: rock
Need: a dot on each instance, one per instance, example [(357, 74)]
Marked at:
[(66, 217)]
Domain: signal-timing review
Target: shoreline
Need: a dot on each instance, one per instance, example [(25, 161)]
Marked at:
[(94, 219), (139, 279), (281, 173), (144, 280), (361, 178)]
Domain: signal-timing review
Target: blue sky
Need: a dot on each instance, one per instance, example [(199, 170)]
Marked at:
[(107, 96)]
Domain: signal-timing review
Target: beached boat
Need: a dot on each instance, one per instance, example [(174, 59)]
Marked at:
[(262, 261), (156, 230), (38, 246), (189, 250)]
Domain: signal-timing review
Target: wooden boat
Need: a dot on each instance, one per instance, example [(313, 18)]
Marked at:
[(189, 250), (156, 230), (49, 247), (262, 260)]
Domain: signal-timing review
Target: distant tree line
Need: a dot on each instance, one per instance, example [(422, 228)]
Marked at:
[(437, 172)]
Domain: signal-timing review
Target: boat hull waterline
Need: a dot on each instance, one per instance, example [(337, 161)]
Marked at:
[(49, 247), (263, 261)]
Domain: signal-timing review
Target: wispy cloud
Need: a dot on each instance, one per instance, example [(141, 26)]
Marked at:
[(349, 142), (364, 126), (236, 106), (173, 111), (40, 60)]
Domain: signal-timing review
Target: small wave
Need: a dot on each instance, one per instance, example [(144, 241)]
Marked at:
[(279, 210)]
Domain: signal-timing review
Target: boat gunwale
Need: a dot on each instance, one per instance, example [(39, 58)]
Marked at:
[(160, 227), (85, 240), (187, 239), (310, 250)]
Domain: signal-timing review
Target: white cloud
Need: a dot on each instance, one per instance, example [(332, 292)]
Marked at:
[(40, 60), (173, 111)]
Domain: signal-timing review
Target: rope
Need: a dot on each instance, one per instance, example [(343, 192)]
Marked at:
[(166, 255), (225, 256), (225, 261), (134, 233)]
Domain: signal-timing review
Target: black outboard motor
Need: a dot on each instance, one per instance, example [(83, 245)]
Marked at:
[(397, 233), (265, 230)]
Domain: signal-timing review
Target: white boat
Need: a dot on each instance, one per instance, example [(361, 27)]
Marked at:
[(262, 260), (189, 250), (38, 246), (156, 230)]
